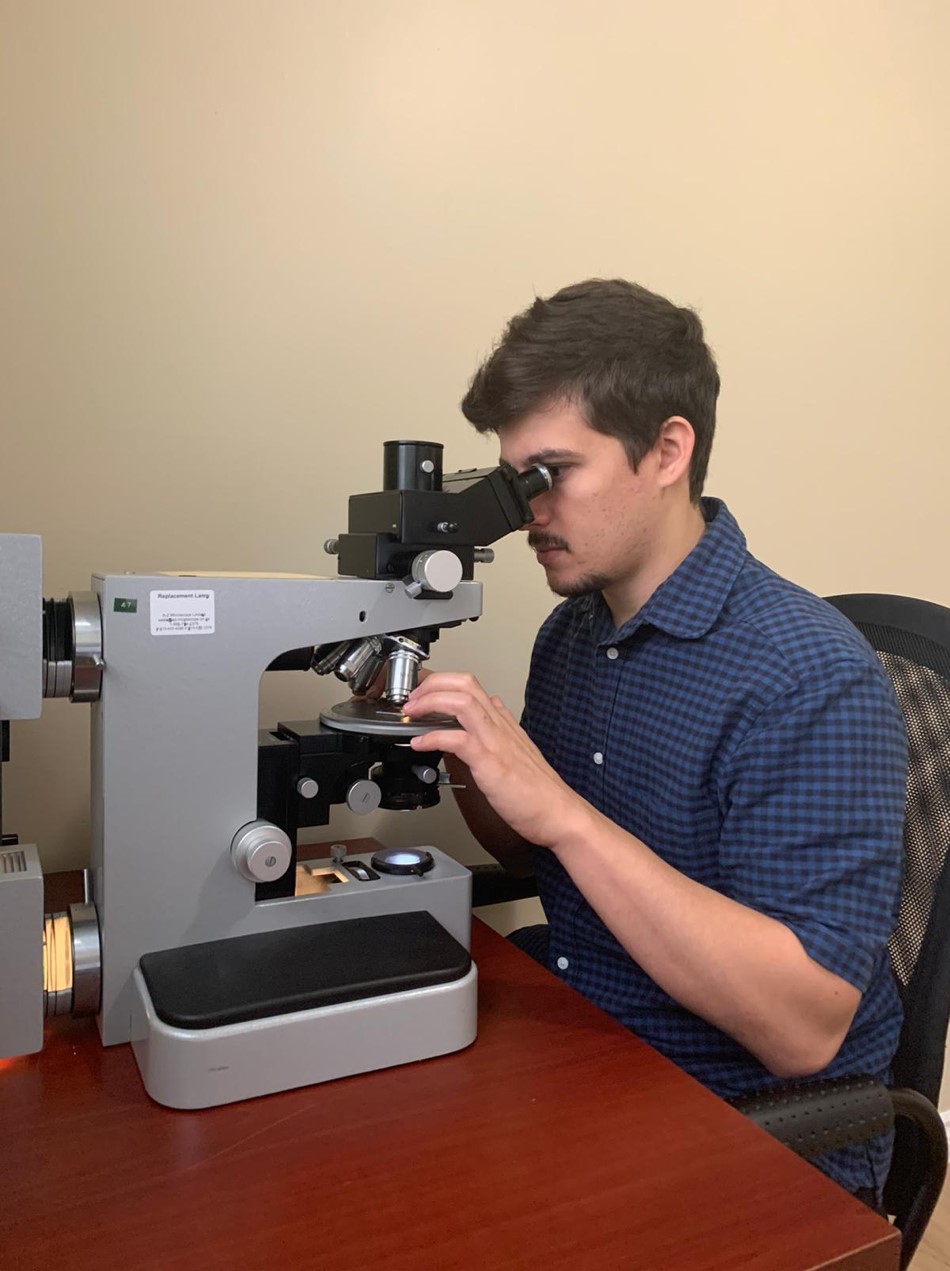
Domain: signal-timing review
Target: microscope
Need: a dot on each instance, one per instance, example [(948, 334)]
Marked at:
[(234, 968)]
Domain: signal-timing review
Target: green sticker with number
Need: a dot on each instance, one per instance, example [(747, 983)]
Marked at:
[(125, 606)]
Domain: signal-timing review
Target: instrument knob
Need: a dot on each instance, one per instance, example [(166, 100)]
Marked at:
[(438, 570), (363, 796), (261, 852)]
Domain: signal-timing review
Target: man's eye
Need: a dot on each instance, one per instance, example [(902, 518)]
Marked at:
[(555, 471)]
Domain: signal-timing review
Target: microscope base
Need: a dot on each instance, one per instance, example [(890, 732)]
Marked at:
[(206, 1067)]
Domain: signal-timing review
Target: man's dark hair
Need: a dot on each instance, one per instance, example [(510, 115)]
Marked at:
[(626, 357)]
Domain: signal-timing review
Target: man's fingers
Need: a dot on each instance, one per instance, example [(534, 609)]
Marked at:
[(474, 716), (448, 681), (448, 740)]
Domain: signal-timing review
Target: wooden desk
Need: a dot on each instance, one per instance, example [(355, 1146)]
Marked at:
[(557, 1140)]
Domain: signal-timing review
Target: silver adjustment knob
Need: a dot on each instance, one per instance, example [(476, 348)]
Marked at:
[(88, 662), (436, 570), (308, 788), (426, 773), (483, 555), (261, 852), (363, 796)]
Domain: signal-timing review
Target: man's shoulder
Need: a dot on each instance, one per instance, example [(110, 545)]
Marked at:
[(780, 622)]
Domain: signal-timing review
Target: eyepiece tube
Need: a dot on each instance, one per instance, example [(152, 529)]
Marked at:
[(534, 481)]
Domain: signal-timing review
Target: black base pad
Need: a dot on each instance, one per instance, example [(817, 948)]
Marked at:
[(276, 972)]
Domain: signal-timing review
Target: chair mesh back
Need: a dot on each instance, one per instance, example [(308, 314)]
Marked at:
[(912, 639), (925, 698)]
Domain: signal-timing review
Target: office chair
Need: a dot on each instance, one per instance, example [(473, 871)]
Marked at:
[(912, 639)]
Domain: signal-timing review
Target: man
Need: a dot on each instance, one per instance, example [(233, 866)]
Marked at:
[(708, 779)]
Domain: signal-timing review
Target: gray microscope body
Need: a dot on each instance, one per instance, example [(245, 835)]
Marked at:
[(234, 968)]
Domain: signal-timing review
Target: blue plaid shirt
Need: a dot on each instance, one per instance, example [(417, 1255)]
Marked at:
[(746, 732)]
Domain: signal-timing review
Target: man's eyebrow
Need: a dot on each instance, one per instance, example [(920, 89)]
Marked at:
[(550, 455)]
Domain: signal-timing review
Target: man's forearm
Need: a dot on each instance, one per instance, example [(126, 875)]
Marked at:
[(742, 971), (494, 834)]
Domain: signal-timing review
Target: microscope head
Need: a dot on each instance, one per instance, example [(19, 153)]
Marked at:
[(423, 532), (412, 528)]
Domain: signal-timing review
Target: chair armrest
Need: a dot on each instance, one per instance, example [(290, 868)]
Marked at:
[(493, 885), (820, 1116), (814, 1117)]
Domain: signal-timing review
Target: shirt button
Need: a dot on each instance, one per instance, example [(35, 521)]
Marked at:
[(598, 757), (563, 964), (613, 653)]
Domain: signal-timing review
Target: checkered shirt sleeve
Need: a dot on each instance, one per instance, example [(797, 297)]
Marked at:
[(814, 799)]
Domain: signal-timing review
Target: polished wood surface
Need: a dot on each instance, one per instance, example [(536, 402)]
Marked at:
[(557, 1140)]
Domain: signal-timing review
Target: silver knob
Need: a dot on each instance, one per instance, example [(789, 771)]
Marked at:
[(438, 570), (307, 788), (363, 796), (426, 773), (483, 555), (261, 852), (331, 546)]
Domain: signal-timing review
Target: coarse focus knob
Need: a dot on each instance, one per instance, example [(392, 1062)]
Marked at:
[(363, 796), (439, 570), (261, 852)]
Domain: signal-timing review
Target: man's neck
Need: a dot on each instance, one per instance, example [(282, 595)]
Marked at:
[(626, 598)]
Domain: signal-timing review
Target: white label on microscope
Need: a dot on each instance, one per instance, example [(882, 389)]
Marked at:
[(182, 612)]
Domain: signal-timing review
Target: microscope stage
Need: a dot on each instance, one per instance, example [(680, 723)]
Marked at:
[(361, 715)]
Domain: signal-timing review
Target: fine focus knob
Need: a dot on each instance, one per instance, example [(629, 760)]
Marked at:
[(438, 570), (261, 852), (308, 788), (363, 796)]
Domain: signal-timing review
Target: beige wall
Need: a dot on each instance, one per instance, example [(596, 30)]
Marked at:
[(245, 242)]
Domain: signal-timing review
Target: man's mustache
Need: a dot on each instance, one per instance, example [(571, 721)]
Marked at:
[(544, 542)]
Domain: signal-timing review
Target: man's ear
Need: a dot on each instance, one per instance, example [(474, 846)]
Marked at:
[(674, 450)]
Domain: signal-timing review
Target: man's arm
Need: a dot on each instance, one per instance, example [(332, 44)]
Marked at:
[(740, 969), (495, 835)]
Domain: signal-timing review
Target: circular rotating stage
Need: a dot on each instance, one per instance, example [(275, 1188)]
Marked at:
[(381, 719)]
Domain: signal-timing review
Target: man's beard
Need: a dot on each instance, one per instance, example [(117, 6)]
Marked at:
[(583, 586)]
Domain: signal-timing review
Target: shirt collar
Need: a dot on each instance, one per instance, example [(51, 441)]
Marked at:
[(687, 604)]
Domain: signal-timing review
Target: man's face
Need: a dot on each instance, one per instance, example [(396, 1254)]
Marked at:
[(595, 529)]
